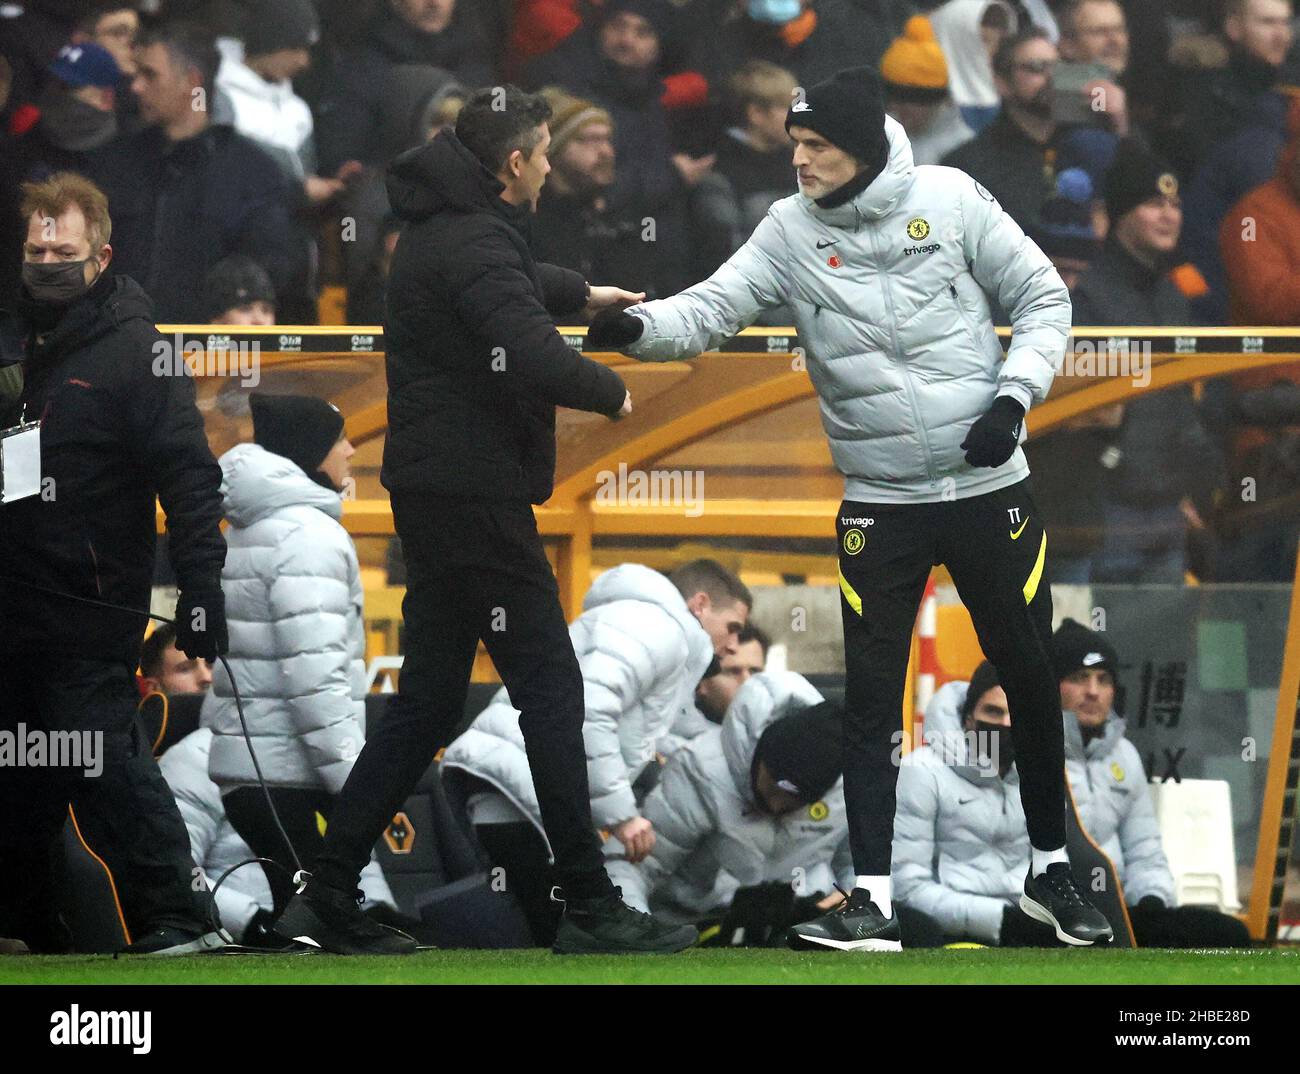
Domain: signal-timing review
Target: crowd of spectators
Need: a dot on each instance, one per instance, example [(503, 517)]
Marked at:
[(243, 146)]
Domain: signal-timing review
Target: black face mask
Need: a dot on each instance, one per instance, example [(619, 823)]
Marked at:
[(76, 126), (57, 283), (998, 737)]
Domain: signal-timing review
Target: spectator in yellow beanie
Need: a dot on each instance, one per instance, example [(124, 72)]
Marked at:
[(915, 75)]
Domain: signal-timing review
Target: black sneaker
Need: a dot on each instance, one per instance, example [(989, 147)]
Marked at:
[(332, 920), (172, 941), (855, 925), (1055, 899), (609, 926)]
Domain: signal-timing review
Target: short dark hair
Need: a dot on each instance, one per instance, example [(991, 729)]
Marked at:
[(1005, 56), (749, 632), (495, 121), (189, 44), (151, 652), (711, 577)]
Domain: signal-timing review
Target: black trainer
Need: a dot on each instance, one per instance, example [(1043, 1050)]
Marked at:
[(1055, 899), (172, 941), (609, 926), (856, 924), (332, 920)]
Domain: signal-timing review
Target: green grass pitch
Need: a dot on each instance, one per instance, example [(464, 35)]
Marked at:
[(709, 966)]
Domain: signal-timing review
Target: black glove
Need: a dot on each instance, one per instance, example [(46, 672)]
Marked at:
[(613, 328), (1021, 930), (758, 915), (993, 438), (202, 634)]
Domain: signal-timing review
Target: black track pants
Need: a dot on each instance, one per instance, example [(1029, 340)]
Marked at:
[(995, 547)]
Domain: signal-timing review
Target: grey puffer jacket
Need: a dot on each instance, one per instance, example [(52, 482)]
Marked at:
[(711, 836), (890, 296), (642, 653), (960, 845), (1110, 789), (297, 643)]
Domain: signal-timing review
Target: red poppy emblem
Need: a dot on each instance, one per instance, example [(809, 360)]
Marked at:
[(834, 261)]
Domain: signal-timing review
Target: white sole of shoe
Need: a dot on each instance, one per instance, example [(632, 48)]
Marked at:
[(1040, 913), (209, 941), (851, 945)]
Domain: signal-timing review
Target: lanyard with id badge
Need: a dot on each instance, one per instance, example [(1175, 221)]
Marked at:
[(20, 460)]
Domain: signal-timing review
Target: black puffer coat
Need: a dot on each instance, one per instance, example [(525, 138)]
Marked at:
[(475, 365)]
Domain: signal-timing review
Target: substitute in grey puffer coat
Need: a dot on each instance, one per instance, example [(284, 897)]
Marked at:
[(960, 844), (890, 295), (1110, 788), (642, 653), (712, 836), (297, 643)]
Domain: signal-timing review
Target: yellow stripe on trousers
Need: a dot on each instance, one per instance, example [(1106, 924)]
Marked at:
[(1036, 575), (850, 594)]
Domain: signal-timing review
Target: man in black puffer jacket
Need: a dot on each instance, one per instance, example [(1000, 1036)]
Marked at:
[(119, 429), (475, 372)]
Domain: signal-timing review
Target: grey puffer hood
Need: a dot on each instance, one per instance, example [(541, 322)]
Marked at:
[(885, 192), (767, 697), (947, 737), (256, 483)]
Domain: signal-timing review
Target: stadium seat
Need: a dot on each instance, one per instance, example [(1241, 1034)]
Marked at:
[(1195, 817)]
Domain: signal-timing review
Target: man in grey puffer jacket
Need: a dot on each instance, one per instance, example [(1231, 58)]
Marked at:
[(1110, 789), (297, 638), (888, 268), (643, 641), (757, 801)]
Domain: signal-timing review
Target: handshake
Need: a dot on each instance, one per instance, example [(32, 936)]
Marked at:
[(614, 329)]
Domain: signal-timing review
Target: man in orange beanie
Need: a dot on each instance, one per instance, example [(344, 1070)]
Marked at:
[(915, 75)]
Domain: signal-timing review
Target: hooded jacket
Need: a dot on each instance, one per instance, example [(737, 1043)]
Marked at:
[(642, 653), (1114, 801), (270, 113), (713, 838), (117, 438), (890, 296), (960, 844), (216, 846), (475, 365), (353, 84), (297, 643)]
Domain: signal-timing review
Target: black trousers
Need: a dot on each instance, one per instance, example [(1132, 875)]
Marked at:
[(125, 811), (521, 854), (251, 817), (475, 569), (994, 546)]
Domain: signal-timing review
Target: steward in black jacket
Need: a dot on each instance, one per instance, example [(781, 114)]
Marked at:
[(115, 436), (475, 366)]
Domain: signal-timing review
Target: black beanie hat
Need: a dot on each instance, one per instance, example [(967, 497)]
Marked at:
[(1137, 175), (271, 25), (804, 750), (982, 681), (1074, 646), (235, 281), (848, 110), (302, 428)]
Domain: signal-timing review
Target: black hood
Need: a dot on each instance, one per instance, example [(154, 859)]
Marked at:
[(442, 174)]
